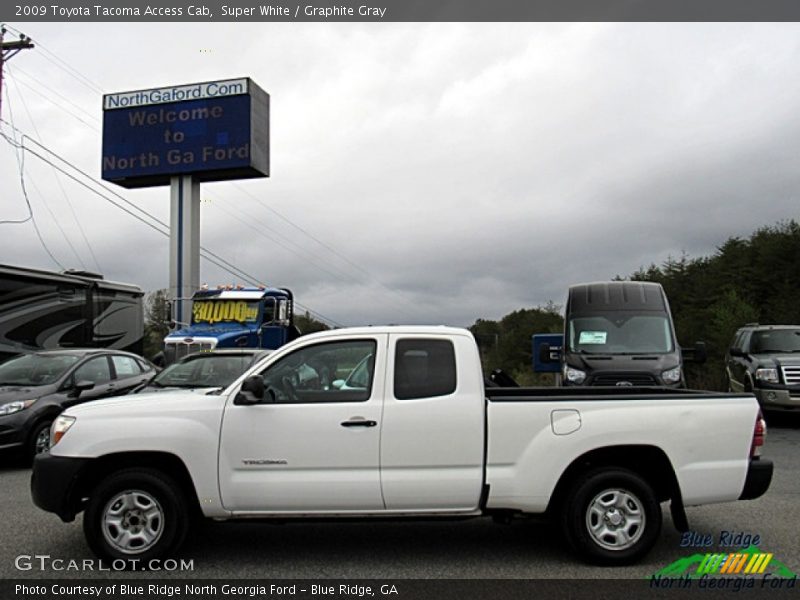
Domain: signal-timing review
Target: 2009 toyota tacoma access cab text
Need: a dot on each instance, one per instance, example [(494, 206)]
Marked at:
[(396, 422)]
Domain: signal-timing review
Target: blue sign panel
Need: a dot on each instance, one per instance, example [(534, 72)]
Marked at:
[(212, 138), (556, 341)]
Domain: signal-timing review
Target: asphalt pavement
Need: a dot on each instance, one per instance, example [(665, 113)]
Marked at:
[(476, 548)]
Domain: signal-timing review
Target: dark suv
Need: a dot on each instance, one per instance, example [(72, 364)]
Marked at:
[(765, 360)]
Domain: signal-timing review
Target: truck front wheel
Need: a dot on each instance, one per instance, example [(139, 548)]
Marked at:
[(135, 515), (612, 517)]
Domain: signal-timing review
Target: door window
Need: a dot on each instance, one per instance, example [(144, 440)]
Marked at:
[(329, 372), (424, 369), (95, 370), (125, 366)]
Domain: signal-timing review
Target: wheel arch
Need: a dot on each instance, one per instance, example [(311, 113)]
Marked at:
[(162, 462), (648, 462)]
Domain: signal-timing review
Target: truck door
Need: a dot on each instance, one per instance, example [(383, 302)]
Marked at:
[(313, 444), (432, 438)]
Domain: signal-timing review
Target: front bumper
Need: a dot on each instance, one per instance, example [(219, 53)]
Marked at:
[(759, 476), (53, 484), (777, 399)]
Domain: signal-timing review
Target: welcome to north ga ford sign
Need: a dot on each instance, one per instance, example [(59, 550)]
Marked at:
[(214, 130)]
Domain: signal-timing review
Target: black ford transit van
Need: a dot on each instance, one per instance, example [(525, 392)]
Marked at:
[(620, 333)]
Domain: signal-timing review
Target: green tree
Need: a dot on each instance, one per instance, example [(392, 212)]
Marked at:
[(507, 344), (156, 322), (308, 324)]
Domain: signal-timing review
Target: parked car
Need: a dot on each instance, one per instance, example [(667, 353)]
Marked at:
[(765, 360), (36, 387), (214, 369)]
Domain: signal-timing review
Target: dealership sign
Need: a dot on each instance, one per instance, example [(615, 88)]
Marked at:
[(213, 131)]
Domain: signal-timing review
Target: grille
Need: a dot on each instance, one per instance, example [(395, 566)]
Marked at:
[(181, 349), (791, 375), (635, 379)]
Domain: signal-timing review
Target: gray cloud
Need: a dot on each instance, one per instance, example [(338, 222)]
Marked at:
[(463, 171)]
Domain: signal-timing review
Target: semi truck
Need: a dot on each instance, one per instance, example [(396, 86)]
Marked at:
[(46, 310), (234, 317), (395, 422)]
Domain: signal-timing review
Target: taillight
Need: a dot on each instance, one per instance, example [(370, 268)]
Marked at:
[(759, 433)]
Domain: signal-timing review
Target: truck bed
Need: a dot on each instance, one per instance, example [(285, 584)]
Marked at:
[(555, 394)]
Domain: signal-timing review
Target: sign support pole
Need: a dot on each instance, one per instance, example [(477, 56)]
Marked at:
[(184, 245)]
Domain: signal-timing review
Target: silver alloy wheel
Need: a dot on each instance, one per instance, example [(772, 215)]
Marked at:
[(42, 443), (133, 522), (615, 519)]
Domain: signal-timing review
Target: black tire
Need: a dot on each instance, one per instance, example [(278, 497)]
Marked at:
[(144, 503), (612, 516), (35, 445)]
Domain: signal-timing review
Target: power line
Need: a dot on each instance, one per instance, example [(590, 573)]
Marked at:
[(341, 256), (301, 230), (9, 50), (21, 165), (205, 253), (50, 90), (63, 65), (56, 104), (63, 191), (250, 225)]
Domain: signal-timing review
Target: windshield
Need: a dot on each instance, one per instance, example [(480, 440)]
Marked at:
[(217, 311), (620, 333), (35, 369), (775, 340), (212, 370)]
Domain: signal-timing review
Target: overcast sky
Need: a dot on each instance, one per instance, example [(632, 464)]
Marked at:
[(450, 171)]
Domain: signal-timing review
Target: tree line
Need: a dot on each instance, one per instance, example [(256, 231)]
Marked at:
[(747, 280)]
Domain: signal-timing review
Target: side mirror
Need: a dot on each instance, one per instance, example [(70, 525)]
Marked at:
[(81, 386), (337, 384), (252, 391), (735, 352)]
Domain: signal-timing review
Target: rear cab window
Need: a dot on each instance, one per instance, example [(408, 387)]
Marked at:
[(424, 368)]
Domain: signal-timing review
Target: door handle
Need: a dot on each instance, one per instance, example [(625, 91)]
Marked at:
[(359, 423)]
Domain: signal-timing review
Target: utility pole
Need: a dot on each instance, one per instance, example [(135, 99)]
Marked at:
[(8, 50)]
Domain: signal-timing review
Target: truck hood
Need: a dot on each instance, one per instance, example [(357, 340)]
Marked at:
[(778, 360), (152, 389), (148, 404)]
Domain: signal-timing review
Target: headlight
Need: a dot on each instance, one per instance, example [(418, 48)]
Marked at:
[(16, 406), (60, 427), (573, 375), (767, 375), (671, 375)]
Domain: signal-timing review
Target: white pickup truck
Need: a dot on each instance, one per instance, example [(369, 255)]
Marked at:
[(396, 422)]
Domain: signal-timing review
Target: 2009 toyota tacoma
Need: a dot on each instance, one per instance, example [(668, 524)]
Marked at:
[(396, 422)]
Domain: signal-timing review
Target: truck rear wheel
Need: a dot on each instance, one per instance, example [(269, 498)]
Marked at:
[(612, 517), (135, 515)]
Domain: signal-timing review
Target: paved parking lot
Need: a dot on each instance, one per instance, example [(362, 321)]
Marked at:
[(466, 549)]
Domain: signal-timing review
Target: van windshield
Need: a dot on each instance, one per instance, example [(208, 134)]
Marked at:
[(620, 333)]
